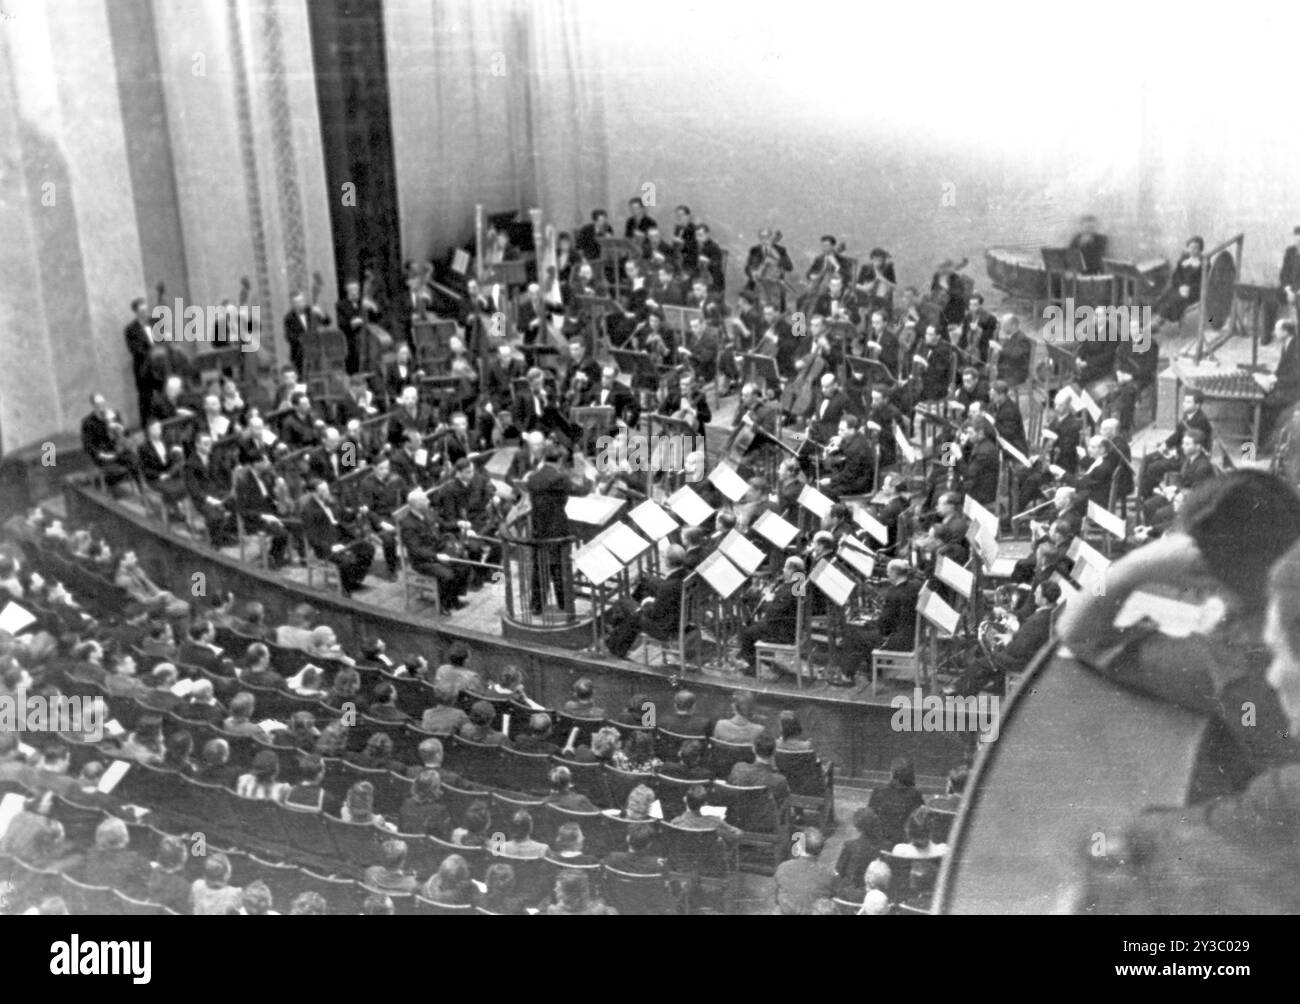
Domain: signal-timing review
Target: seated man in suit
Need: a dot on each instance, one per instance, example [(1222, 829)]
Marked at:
[(323, 525), (776, 619), (428, 551), (1170, 459), (255, 504), (208, 483), (103, 437), (853, 460), (762, 773), (300, 427), (162, 466), (661, 613)]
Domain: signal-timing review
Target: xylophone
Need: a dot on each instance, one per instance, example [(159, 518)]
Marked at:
[(1235, 385)]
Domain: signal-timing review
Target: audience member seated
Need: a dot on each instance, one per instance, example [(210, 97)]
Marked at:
[(390, 875), (519, 841), (583, 703), (573, 898), (424, 811), (763, 773), (897, 801), (473, 829), (212, 895), (741, 727), (563, 795), (451, 884), (803, 879), (638, 859)]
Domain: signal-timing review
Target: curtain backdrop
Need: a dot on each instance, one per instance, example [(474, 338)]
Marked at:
[(498, 103)]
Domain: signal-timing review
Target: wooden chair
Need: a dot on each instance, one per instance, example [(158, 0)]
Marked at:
[(890, 662), (640, 895), (413, 582)]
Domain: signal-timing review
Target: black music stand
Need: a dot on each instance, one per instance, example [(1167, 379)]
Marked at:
[(639, 367), (613, 250), (596, 419), (1062, 272), (510, 274), (871, 366), (761, 367)]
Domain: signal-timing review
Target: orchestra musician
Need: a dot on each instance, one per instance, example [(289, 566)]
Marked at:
[(302, 322), (1284, 390), (767, 260), (876, 281), (355, 312), (464, 508), (1184, 289), (827, 262), (1091, 245), (332, 537), (838, 303), (581, 375), (1170, 458), (427, 550), (207, 481), (411, 462), (638, 220), (1010, 353), (103, 437), (978, 329), (139, 343), (709, 259), (778, 340), (379, 496), (881, 343), (894, 630), (775, 619), (851, 458), (410, 415), (936, 373), (979, 467), (163, 467), (255, 504), (686, 240), (1005, 413), (587, 239)]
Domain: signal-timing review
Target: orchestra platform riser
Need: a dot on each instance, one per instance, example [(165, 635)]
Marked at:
[(857, 735)]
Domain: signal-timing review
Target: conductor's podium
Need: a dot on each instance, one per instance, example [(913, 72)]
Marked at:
[(1077, 758)]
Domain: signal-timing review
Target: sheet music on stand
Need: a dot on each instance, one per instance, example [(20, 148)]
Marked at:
[(741, 552), (654, 522), (593, 510), (724, 478), (1106, 519), (723, 577), (961, 579), (861, 561), (933, 608), (775, 529), (498, 465), (868, 522), (837, 586), (596, 562), (815, 502), (626, 543), (1013, 453), (687, 506), (976, 513)]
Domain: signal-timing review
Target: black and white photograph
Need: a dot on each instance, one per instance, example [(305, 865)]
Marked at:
[(706, 458)]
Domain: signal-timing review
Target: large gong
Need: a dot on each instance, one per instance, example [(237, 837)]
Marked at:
[(1219, 287)]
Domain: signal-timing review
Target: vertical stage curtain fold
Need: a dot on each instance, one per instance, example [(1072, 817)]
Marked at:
[(498, 104)]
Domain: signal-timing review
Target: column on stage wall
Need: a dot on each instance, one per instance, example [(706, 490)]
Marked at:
[(72, 245)]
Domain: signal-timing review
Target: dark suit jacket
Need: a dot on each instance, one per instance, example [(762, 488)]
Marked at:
[(202, 480), (662, 618), (898, 615), (138, 344), (979, 472), (549, 489), (1191, 420), (827, 423), (1032, 636), (892, 805), (1065, 451), (320, 532), (856, 475), (1196, 472)]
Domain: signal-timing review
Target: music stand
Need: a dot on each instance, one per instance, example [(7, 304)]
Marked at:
[(598, 418), (678, 317), (871, 366), (1062, 276), (760, 366), (508, 273), (613, 250), (639, 366)]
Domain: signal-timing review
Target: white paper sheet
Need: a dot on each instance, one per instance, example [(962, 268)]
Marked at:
[(724, 478), (774, 528), (961, 579), (653, 520), (687, 506), (741, 552)]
